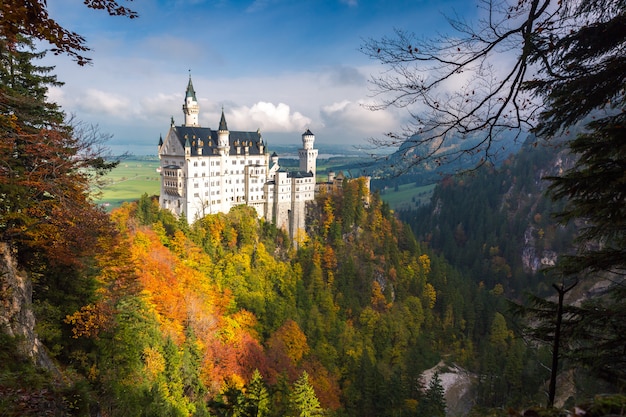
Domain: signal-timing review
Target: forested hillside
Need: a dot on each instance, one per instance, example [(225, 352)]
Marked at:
[(497, 224), (225, 316)]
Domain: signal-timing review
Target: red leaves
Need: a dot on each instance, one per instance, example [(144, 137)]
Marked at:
[(31, 18)]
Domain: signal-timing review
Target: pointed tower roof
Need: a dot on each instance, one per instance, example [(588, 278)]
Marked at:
[(223, 126), (160, 140), (190, 91)]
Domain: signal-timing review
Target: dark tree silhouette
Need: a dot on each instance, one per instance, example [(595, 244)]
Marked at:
[(527, 65)]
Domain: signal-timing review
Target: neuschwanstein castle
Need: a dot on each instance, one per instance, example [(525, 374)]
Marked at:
[(206, 171)]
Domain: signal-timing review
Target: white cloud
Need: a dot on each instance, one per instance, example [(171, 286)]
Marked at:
[(56, 95), (105, 103), (134, 101), (158, 107), (267, 117), (355, 117)]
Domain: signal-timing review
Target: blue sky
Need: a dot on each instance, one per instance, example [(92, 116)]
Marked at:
[(281, 66)]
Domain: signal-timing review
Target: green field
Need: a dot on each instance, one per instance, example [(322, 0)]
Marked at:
[(129, 181), (408, 196)]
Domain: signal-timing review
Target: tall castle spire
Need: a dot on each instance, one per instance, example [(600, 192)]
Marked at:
[(223, 122), (190, 107), (223, 135)]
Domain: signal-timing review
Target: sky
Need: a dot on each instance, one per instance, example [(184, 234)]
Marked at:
[(281, 66)]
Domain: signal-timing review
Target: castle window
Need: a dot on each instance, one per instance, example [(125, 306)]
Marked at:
[(196, 195), (203, 163), (195, 164)]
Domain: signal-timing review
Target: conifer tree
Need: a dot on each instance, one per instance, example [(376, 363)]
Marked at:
[(303, 401), (434, 402), (595, 193), (257, 397)]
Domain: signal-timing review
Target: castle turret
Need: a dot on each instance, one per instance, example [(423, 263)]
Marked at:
[(187, 147), (308, 155), (190, 107), (223, 135)]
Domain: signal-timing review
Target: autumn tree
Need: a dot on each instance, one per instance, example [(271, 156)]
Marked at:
[(31, 18), (47, 165)]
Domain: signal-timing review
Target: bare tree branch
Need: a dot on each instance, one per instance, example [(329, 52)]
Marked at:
[(469, 90)]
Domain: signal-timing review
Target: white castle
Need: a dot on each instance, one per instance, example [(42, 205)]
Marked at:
[(206, 171)]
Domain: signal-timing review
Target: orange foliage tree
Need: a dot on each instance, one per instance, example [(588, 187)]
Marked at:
[(286, 347), (177, 285)]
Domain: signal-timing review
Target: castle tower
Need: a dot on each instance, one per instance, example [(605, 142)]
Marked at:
[(190, 107), (308, 155), (223, 136)]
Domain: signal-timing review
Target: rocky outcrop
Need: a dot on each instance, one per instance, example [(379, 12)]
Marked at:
[(458, 387), (533, 258), (16, 313)]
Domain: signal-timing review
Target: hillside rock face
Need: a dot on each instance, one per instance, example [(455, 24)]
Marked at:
[(16, 313), (458, 386)]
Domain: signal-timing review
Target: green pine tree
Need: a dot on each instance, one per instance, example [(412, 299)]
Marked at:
[(434, 402), (596, 198), (303, 402), (257, 399)]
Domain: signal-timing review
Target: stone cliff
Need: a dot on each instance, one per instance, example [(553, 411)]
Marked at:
[(16, 313)]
